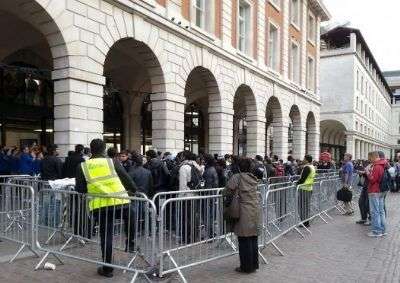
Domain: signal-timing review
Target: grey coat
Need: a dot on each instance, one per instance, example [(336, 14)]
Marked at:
[(249, 221)]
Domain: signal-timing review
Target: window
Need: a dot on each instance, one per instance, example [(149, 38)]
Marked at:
[(357, 103), (244, 27), (358, 80), (295, 12), (311, 24), (295, 63), (310, 73), (362, 84), (398, 141), (199, 12), (273, 47), (356, 126)]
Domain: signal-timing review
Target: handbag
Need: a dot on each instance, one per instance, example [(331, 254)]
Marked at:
[(344, 194), (233, 208)]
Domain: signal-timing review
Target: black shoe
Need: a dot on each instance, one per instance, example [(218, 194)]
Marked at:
[(361, 221), (100, 271), (238, 269)]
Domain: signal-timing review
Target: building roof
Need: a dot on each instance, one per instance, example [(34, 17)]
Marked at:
[(319, 6), (392, 73), (341, 34)]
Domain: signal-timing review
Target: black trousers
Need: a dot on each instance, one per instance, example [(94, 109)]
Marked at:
[(106, 217), (248, 253), (363, 204), (304, 205)]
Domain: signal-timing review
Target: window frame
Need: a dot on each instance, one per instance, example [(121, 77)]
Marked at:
[(248, 28), (208, 28), (276, 3), (277, 45), (294, 23), (311, 37), (291, 62), (203, 10), (310, 76)]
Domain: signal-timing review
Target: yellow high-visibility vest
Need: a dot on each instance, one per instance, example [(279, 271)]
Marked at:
[(102, 179), (309, 182)]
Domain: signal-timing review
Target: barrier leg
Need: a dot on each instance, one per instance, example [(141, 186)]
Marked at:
[(304, 226), (176, 265), (262, 257), (135, 277), (277, 248), (45, 257), (20, 250), (298, 231), (327, 215), (320, 216)]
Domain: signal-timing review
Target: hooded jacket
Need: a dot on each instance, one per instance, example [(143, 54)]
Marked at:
[(249, 221), (375, 177)]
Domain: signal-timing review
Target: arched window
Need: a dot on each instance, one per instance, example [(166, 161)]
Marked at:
[(113, 116), (194, 129)]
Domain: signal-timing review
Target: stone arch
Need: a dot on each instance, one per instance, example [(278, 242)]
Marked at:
[(134, 72), (333, 137), (312, 135), (40, 45), (276, 131), (246, 120), (202, 96), (296, 133)]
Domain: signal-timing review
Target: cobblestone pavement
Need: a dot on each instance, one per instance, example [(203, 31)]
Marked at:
[(336, 252)]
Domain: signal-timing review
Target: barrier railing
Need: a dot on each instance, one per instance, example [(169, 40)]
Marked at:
[(17, 217), (125, 230), (175, 230)]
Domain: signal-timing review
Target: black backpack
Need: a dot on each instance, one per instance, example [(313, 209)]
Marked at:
[(196, 180), (386, 183)]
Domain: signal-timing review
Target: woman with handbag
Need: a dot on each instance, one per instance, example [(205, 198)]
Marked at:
[(242, 214)]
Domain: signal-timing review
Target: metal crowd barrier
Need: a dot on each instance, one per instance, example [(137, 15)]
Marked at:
[(191, 229), (125, 232), (17, 217)]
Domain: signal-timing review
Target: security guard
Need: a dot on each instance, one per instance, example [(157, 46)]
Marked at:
[(103, 176), (305, 191)]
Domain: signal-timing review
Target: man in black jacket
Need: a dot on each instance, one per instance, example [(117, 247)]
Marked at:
[(72, 162), (51, 166)]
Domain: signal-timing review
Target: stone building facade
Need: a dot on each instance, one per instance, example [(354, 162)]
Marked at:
[(224, 75), (393, 80), (356, 99)]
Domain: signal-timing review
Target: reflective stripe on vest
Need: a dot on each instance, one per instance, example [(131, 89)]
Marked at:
[(102, 179), (309, 182)]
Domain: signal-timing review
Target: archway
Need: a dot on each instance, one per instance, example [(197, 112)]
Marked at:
[(296, 138), (132, 74), (312, 136), (245, 108), (274, 129), (26, 87), (333, 139), (200, 86)]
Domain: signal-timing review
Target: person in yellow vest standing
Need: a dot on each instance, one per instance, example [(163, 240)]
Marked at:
[(305, 191), (103, 176)]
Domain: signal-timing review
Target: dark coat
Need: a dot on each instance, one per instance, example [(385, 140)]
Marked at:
[(51, 168), (70, 165), (210, 177), (249, 221), (143, 179)]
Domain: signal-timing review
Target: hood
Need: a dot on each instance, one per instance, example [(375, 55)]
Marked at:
[(249, 179), (192, 162), (381, 162)]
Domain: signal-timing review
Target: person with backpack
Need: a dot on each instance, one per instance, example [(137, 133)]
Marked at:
[(189, 172), (259, 169), (280, 169), (159, 172), (347, 171), (377, 187)]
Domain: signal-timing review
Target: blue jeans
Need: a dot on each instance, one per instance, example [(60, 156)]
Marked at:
[(377, 211)]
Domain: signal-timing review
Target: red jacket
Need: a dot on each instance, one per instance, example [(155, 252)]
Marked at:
[(376, 175)]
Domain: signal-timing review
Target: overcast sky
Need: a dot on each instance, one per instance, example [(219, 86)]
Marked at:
[(379, 22)]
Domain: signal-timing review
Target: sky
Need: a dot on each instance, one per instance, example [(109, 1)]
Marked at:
[(379, 22)]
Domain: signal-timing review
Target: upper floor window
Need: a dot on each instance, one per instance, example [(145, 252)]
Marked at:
[(203, 14), (294, 62), (295, 12), (244, 27), (358, 80), (310, 73), (311, 28), (273, 47)]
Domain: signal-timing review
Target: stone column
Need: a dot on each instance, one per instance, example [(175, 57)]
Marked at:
[(255, 135), (220, 130), (313, 144), (362, 150), (78, 109), (357, 153), (280, 138), (168, 122), (350, 144), (299, 142)]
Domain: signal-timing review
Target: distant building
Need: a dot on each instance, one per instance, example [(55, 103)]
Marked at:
[(356, 98), (393, 79)]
